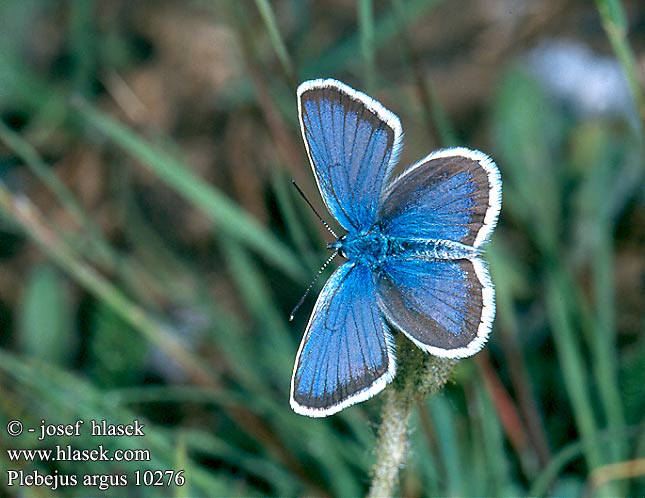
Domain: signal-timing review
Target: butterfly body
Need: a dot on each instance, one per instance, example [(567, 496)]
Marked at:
[(413, 250), (373, 248)]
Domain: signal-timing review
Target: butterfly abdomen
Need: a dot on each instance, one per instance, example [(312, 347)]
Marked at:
[(432, 249), (372, 248)]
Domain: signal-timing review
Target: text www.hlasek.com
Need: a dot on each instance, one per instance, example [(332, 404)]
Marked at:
[(69, 454)]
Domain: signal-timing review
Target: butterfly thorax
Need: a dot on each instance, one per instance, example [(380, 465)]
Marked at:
[(373, 248), (370, 247)]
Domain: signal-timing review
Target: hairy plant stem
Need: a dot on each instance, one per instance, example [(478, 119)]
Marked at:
[(419, 375)]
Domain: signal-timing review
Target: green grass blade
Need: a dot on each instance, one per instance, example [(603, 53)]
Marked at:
[(573, 370), (298, 233), (386, 26), (60, 397), (92, 233), (230, 219), (367, 37), (20, 210), (256, 465), (493, 438), (544, 481), (269, 19), (277, 346), (82, 44), (437, 121), (448, 445), (614, 21), (46, 327), (596, 157)]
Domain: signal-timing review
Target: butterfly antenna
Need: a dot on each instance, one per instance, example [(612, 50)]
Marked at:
[(309, 287), (302, 194)]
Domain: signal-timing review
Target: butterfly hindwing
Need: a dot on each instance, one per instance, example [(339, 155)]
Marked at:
[(346, 353), (452, 194), (445, 306), (352, 142)]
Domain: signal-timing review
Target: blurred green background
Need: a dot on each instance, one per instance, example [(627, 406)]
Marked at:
[(151, 246)]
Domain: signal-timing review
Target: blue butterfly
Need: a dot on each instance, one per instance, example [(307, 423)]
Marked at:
[(412, 248)]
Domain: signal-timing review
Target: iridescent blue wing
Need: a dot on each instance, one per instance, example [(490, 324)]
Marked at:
[(446, 307), (346, 355), (353, 143), (452, 194)]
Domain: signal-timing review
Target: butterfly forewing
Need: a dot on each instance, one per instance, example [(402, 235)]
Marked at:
[(352, 142), (453, 194), (346, 353), (446, 307)]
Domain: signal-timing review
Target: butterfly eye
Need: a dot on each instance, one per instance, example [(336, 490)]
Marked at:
[(340, 243)]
